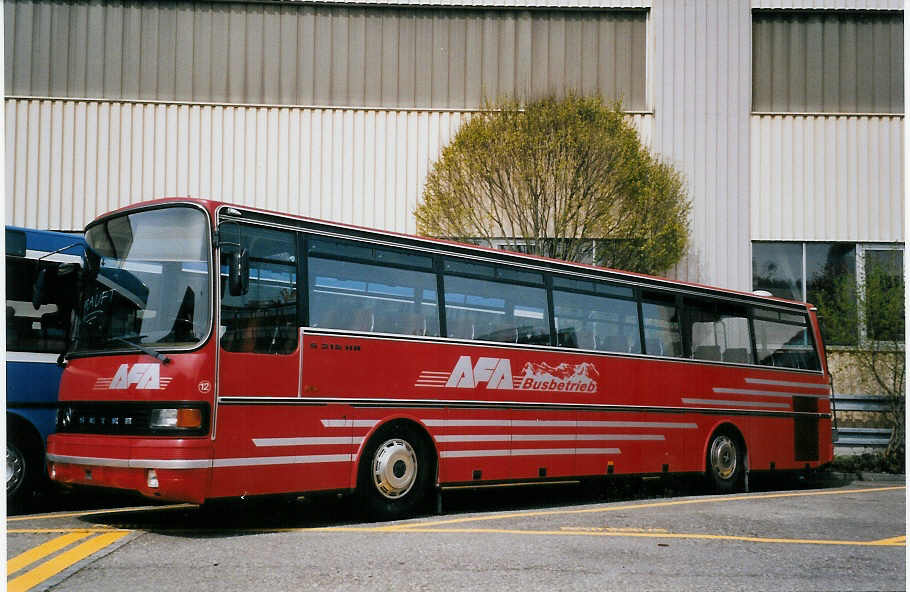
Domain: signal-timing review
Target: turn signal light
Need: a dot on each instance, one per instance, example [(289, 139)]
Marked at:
[(189, 418), (182, 418)]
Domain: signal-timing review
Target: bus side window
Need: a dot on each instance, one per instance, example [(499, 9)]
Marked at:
[(784, 343), (589, 321), (373, 298), (496, 311), (718, 332), (27, 329), (264, 319), (661, 324)]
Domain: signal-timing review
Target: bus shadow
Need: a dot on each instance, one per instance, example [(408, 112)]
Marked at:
[(262, 515)]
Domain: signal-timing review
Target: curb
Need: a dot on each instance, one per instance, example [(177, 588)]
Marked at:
[(863, 476)]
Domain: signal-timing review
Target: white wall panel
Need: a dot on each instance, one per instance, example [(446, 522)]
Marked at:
[(827, 178), (69, 161), (702, 63)]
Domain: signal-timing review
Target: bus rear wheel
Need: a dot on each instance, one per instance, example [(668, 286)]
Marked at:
[(725, 462), (394, 473)]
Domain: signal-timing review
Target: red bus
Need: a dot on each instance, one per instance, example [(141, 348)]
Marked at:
[(222, 351)]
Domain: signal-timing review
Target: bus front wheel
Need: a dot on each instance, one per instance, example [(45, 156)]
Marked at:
[(725, 462), (394, 473), (22, 465)]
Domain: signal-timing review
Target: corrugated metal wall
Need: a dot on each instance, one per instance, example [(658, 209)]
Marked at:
[(810, 62), (827, 178), (68, 161), (823, 178), (702, 95), (829, 4), (292, 54)]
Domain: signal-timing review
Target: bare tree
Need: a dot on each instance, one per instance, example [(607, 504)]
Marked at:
[(553, 176), (873, 319)]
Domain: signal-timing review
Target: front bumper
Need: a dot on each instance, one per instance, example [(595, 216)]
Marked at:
[(172, 469)]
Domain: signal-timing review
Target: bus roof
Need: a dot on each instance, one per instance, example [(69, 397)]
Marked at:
[(42, 240), (468, 249)]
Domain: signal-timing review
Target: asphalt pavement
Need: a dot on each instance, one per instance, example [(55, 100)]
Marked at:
[(835, 534)]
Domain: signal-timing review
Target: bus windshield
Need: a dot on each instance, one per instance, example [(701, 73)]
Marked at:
[(147, 281)]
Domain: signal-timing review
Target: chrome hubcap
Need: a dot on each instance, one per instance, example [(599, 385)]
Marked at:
[(394, 468), (723, 457), (15, 469)]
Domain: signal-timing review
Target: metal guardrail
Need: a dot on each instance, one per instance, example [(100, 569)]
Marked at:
[(860, 403), (861, 437)]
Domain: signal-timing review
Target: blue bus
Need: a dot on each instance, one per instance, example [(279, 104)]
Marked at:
[(37, 325)]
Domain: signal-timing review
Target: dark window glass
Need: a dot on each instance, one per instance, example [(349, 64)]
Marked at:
[(44, 329), (15, 242), (604, 288), (573, 284), (718, 332), (364, 252), (508, 274), (596, 322), (885, 295), (831, 285), (264, 320), (468, 267), (661, 325), (784, 345), (778, 268), (495, 311), (375, 298)]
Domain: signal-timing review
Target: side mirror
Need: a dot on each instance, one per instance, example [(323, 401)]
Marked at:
[(91, 263), (239, 277), (38, 289)]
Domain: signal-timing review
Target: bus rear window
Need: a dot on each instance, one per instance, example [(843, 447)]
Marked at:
[(784, 345)]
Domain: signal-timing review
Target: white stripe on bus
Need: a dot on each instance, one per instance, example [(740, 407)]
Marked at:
[(349, 423), (308, 441), (521, 423), (526, 452), (546, 437), (735, 404), (737, 391), (14, 356), (820, 387), (259, 461)]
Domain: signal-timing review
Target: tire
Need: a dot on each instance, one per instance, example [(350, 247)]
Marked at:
[(21, 472), (394, 473), (725, 462)]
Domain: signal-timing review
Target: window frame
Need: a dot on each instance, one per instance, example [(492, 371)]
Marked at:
[(861, 249)]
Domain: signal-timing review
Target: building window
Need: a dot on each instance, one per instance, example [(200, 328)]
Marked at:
[(845, 280), (884, 294), (827, 62)]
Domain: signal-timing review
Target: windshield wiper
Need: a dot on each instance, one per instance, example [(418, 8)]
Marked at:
[(146, 350)]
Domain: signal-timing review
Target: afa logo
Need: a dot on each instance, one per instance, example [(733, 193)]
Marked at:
[(142, 376), (496, 374)]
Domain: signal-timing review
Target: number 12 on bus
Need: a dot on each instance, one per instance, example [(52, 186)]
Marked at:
[(223, 352)]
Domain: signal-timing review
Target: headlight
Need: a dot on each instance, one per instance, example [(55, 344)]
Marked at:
[(182, 418), (64, 417)]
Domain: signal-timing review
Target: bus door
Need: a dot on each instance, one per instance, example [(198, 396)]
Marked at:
[(259, 357)]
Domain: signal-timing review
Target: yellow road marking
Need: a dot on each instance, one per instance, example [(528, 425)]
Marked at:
[(53, 530), (895, 542), (53, 566), (626, 507), (41, 551), (98, 512), (898, 540)]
